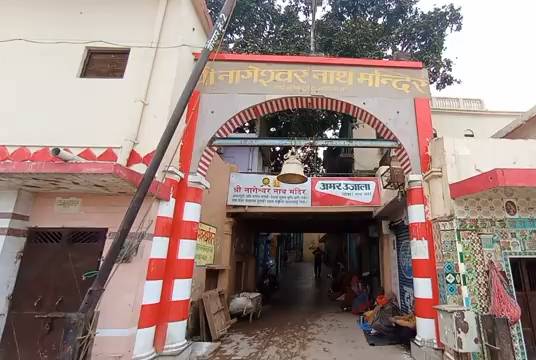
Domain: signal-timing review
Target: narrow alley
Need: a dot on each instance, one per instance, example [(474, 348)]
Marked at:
[(302, 323)]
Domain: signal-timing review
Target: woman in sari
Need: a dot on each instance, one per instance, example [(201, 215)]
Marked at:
[(380, 317), (360, 302)]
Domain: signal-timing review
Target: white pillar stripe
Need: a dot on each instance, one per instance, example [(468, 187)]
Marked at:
[(422, 288), (176, 334), (415, 177), (181, 289), (166, 208), (187, 249), (159, 247), (192, 212), (416, 214), (419, 249), (425, 328), (143, 346), (151, 291)]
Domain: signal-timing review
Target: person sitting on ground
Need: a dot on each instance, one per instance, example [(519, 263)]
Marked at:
[(379, 317), (361, 302), (350, 292), (336, 269), (339, 285), (381, 300), (408, 321), (405, 327)]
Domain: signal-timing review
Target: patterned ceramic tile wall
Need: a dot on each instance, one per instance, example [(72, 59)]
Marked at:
[(493, 225), (449, 277)]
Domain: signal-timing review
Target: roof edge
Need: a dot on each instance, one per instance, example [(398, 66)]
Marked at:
[(317, 60), (493, 179), (516, 124), (201, 9)]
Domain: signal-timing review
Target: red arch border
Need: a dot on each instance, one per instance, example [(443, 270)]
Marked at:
[(303, 102)]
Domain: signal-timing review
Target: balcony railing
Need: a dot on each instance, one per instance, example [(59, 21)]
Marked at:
[(447, 103)]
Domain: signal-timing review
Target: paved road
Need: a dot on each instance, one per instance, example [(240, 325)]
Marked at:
[(301, 323)]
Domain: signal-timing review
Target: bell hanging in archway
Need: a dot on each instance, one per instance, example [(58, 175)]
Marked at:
[(292, 170)]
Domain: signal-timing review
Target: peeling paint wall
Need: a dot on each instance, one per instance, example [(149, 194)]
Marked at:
[(119, 308), (15, 208)]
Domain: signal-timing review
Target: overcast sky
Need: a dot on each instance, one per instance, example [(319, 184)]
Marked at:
[(495, 53)]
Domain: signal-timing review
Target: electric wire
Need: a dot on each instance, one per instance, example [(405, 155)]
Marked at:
[(89, 42)]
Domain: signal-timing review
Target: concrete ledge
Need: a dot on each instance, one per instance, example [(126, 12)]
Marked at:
[(181, 352), (193, 351), (419, 352), (203, 350)]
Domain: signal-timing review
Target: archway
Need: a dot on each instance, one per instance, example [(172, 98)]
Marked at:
[(390, 96), (303, 102)]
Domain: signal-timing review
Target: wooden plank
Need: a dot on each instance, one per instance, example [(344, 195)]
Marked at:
[(496, 337), (217, 313), (503, 339), (202, 321)]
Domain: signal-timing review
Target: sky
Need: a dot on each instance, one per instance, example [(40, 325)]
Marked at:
[(494, 53)]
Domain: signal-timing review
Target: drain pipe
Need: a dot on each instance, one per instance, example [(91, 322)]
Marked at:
[(65, 155), (132, 136)]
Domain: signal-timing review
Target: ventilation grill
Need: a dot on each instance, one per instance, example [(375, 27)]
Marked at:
[(66, 236), (85, 237), (45, 237)]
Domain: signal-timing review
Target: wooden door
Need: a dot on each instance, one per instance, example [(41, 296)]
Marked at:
[(50, 280), (524, 274)]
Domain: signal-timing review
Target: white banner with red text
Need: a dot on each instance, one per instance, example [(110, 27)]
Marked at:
[(266, 190)]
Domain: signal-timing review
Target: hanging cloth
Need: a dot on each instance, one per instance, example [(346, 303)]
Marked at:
[(502, 303)]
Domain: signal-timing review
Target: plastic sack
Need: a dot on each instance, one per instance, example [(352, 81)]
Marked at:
[(240, 305)]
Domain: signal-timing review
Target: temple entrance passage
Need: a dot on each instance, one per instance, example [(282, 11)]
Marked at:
[(309, 311), (301, 322), (385, 104)]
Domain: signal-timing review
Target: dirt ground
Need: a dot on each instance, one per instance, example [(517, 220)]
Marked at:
[(302, 323)]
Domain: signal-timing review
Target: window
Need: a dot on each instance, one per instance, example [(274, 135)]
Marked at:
[(105, 63), (468, 133)]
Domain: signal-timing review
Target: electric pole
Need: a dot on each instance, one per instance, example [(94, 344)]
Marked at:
[(78, 323), (313, 24)]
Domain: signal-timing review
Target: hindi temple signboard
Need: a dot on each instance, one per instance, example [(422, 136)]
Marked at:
[(265, 190), (206, 237), (265, 78)]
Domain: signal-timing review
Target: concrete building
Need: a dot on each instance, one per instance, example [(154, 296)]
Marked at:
[(521, 128), (97, 80), (451, 117), (482, 211), (481, 206)]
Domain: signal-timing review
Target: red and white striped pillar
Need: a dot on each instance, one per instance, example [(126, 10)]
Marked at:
[(150, 308), (170, 334), (423, 262), (181, 283)]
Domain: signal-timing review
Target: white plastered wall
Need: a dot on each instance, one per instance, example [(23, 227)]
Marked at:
[(46, 103)]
